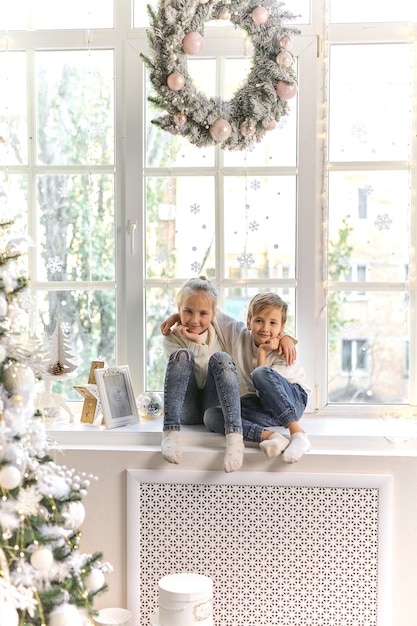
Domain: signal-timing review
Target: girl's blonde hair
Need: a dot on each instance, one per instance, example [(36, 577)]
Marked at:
[(199, 284), (265, 300)]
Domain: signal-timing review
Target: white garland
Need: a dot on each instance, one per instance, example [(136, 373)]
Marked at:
[(177, 30)]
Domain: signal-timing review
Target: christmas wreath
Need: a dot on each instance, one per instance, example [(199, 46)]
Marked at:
[(177, 30)]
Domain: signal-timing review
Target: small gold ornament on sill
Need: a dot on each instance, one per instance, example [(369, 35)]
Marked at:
[(150, 405)]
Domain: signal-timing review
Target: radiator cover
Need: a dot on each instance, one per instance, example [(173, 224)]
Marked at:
[(281, 550)]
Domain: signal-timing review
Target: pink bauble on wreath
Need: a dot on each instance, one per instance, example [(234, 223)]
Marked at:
[(220, 130), (247, 129), (180, 119), (175, 81), (225, 14), (260, 15), (271, 125), (192, 43), (284, 59), (285, 42), (286, 91)]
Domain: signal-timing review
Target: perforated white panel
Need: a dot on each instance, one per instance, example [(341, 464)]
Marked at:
[(278, 554)]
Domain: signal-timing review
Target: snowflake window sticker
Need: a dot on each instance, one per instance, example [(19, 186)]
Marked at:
[(383, 221), (177, 31), (55, 265)]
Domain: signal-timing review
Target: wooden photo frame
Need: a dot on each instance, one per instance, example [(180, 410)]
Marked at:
[(118, 401)]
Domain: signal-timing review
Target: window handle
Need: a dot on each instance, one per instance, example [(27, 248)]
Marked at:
[(132, 228)]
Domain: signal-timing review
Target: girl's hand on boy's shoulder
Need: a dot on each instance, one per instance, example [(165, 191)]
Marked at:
[(287, 349)]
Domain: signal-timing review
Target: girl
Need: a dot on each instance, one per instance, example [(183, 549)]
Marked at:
[(199, 374)]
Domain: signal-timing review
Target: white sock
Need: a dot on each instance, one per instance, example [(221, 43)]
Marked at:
[(273, 446), (235, 449), (299, 445), (170, 446)]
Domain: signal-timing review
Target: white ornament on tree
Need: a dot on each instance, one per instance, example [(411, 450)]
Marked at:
[(42, 559), (65, 615), (74, 514), (8, 614), (18, 377), (94, 581), (10, 477)]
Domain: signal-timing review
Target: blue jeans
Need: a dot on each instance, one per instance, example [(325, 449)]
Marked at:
[(278, 403), (184, 403)]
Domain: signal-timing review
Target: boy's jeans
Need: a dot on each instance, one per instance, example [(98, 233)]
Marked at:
[(185, 404), (277, 403)]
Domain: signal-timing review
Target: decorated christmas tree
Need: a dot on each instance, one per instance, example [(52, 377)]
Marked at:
[(45, 580)]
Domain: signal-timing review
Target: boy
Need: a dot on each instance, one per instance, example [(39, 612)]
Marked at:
[(273, 393)]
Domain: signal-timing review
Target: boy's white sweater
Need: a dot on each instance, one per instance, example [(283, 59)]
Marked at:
[(238, 341)]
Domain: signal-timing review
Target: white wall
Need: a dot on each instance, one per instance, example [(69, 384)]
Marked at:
[(105, 526)]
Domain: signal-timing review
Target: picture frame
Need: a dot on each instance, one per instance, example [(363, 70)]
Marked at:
[(118, 401)]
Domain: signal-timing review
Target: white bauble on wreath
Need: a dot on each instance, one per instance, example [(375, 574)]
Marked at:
[(177, 31)]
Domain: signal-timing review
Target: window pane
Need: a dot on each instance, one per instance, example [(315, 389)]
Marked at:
[(180, 227), (75, 107), (76, 238), (160, 303), (368, 348), (372, 11), (381, 241), (89, 320), (260, 218), (370, 102), (13, 109), (48, 14), (13, 200)]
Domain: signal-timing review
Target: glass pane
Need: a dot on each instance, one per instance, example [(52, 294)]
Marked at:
[(372, 11), (180, 227), (369, 225), (89, 319), (368, 347), (75, 107), (13, 201), (76, 227), (260, 220), (370, 102), (48, 14), (164, 148), (160, 303), (13, 109), (14, 15)]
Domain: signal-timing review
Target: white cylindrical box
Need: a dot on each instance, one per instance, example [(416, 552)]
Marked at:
[(185, 600)]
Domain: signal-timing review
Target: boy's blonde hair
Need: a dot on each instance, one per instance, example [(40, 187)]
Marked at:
[(266, 300), (199, 284)]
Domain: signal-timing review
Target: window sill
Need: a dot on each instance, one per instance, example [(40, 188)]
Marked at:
[(351, 436)]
